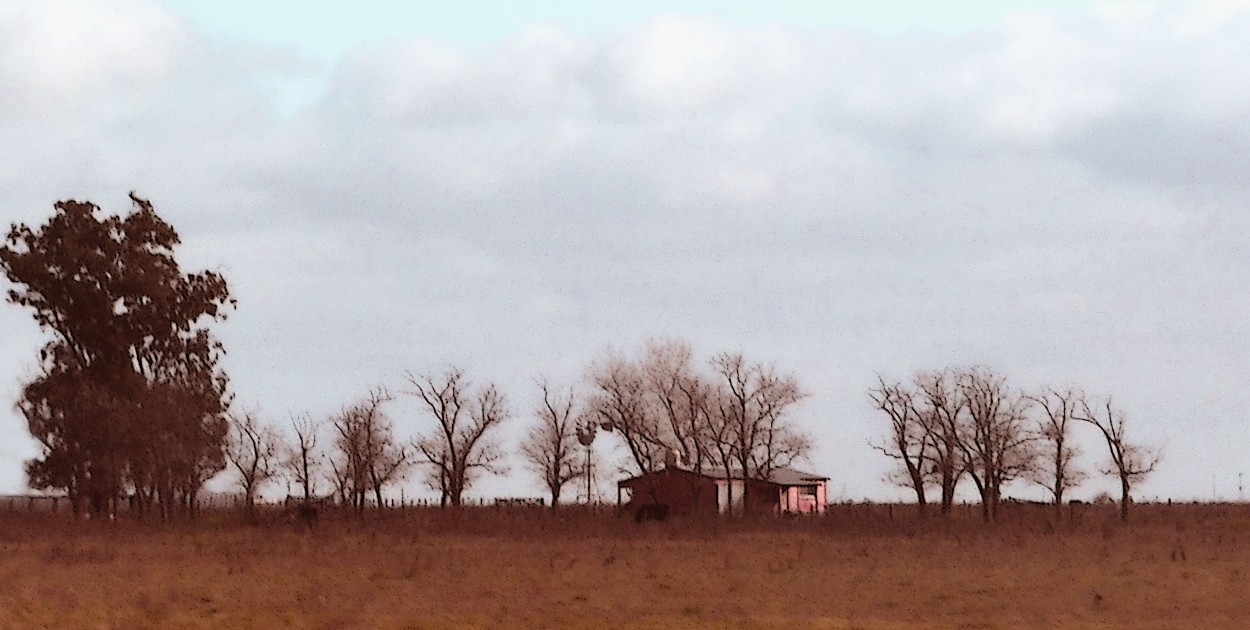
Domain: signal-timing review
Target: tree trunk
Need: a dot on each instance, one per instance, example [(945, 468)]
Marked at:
[(984, 492), (249, 501), (1058, 488), (307, 486), (918, 485), (1124, 498), (746, 493), (948, 488), (166, 498), (729, 488), (996, 495)]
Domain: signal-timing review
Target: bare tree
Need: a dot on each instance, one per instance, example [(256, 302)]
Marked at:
[(1056, 467), (550, 448), (304, 461), (755, 400), (909, 440), (460, 446), (367, 456), (1131, 462), (720, 438), (996, 442), (252, 449), (942, 409), (351, 450), (620, 401), (339, 476), (678, 394), (388, 464), (735, 416)]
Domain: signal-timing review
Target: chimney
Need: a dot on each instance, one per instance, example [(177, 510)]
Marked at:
[(672, 458)]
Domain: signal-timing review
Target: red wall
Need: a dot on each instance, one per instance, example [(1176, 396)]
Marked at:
[(688, 493)]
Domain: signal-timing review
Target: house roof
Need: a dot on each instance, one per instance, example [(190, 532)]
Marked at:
[(780, 476), (792, 477)]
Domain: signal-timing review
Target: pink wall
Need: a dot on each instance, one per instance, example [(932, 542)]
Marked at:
[(793, 501)]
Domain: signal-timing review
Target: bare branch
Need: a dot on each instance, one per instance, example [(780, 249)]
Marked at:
[(909, 439), (253, 450), (460, 445), (550, 447), (1131, 462), (1056, 469)]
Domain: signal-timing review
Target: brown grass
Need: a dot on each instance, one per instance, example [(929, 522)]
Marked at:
[(862, 567)]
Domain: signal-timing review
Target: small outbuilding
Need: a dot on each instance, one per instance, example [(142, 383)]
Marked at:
[(678, 490)]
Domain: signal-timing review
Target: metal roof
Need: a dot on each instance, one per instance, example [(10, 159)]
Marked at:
[(781, 476), (792, 477)]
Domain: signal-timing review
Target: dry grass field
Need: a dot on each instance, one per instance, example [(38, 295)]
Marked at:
[(862, 567)]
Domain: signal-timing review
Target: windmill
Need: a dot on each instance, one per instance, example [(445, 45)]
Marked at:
[(586, 436)]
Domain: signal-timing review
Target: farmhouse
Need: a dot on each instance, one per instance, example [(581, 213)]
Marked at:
[(711, 491)]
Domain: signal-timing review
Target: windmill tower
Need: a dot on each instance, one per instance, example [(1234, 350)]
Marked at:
[(586, 436)]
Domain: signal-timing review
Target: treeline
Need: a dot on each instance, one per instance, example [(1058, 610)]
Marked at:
[(971, 423), (664, 407), (130, 401)]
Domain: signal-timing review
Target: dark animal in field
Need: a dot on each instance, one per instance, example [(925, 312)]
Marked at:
[(307, 514), (302, 512), (651, 512)]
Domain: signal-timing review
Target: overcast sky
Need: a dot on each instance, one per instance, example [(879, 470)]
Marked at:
[(1056, 190)]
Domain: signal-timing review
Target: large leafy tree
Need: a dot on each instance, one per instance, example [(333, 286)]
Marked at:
[(130, 398)]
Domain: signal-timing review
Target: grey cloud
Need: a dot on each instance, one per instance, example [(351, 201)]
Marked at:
[(1166, 149)]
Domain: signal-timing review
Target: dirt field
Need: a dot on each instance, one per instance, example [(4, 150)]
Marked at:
[(1175, 567)]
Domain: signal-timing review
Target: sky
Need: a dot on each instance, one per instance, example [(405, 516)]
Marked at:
[(1055, 190)]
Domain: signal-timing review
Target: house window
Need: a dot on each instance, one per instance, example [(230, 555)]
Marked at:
[(807, 491)]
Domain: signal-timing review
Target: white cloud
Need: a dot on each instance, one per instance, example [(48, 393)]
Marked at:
[(61, 55)]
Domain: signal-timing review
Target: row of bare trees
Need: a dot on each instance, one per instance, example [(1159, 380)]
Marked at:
[(357, 452), (726, 414), (971, 423)]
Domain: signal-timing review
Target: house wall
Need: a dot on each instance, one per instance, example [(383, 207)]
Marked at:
[(764, 497), (793, 499), (685, 492), (791, 502), (682, 492), (724, 496)]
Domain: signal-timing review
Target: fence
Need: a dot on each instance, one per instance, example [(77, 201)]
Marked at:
[(33, 503)]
